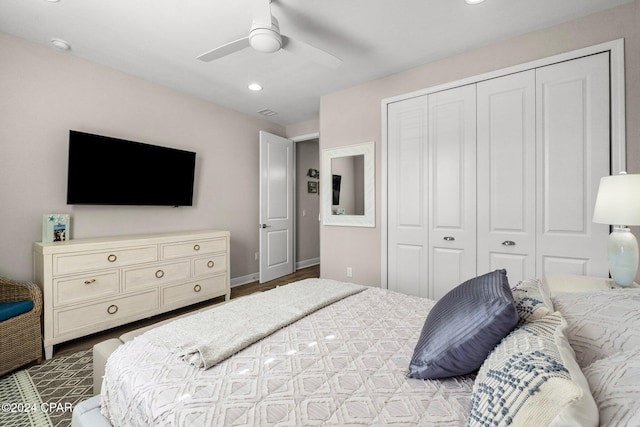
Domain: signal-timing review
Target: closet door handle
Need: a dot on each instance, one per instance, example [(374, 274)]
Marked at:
[(509, 243), (449, 238)]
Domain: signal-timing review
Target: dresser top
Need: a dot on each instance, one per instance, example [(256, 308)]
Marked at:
[(126, 240)]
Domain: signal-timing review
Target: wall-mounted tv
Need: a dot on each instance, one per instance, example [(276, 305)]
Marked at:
[(110, 171)]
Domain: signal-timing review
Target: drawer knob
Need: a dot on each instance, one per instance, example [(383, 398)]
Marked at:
[(88, 282), (210, 264), (196, 247), (509, 243), (197, 288), (449, 238), (112, 258), (112, 309), (159, 274)]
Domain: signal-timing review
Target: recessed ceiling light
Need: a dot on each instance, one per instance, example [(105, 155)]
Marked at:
[(53, 1), (473, 1), (61, 44), (255, 87)]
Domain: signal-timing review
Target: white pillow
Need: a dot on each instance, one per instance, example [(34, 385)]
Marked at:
[(532, 299), (615, 385), (532, 379)]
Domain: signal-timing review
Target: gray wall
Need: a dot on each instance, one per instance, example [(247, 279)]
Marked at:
[(44, 93), (307, 204)]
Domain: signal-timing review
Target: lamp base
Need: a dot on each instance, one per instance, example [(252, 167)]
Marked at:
[(622, 252)]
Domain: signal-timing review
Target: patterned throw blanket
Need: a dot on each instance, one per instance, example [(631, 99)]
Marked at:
[(208, 337)]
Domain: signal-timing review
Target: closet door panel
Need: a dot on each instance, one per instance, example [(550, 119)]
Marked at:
[(573, 133), (506, 175), (452, 184), (407, 197)]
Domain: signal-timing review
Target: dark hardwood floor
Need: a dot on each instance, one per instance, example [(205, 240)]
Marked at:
[(87, 342)]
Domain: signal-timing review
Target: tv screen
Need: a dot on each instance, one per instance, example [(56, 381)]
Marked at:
[(111, 171)]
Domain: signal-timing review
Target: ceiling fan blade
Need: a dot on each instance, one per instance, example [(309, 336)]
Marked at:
[(225, 50), (262, 13), (311, 53)]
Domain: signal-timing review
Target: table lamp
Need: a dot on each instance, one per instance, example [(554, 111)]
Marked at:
[(618, 204)]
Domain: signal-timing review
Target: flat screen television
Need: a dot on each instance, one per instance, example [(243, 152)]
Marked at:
[(110, 171)]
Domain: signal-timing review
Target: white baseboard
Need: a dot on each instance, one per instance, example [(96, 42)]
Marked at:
[(307, 263), (243, 280)]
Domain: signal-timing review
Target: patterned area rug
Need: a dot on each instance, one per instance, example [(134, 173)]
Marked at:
[(45, 395)]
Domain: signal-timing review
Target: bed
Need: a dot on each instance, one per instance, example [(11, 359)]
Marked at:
[(364, 359)]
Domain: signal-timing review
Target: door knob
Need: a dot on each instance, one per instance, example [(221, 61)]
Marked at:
[(264, 226)]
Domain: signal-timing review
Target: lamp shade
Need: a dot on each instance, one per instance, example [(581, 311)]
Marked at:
[(618, 201)]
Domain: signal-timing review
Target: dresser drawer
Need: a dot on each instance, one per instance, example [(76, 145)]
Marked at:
[(154, 275), (199, 290), (92, 317), (69, 290), (206, 266), (192, 248), (76, 262)]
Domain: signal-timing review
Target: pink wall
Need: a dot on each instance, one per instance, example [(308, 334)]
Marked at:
[(354, 115), (44, 93)]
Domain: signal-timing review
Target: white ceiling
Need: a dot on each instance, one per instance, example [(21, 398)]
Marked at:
[(159, 40)]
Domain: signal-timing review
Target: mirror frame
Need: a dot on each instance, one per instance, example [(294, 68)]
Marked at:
[(326, 187)]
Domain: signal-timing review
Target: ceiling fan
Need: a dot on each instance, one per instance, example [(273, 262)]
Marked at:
[(265, 36)]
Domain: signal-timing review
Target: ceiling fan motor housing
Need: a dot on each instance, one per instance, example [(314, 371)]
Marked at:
[(265, 39)]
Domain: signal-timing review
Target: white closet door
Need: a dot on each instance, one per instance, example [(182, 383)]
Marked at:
[(573, 140), (506, 175), (452, 188), (407, 197)]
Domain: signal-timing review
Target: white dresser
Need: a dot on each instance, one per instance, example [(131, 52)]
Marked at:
[(90, 285)]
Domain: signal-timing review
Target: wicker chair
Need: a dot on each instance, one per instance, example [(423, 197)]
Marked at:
[(20, 336)]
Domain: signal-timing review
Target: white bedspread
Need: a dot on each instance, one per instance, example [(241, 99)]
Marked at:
[(245, 320), (344, 364)]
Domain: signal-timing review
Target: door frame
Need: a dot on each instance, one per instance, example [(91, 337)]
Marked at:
[(618, 123), (295, 140)]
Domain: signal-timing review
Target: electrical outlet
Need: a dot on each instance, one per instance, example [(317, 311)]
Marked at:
[(349, 272)]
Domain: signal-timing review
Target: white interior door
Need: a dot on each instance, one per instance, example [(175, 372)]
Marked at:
[(276, 207), (573, 132), (452, 188), (507, 175), (407, 259)]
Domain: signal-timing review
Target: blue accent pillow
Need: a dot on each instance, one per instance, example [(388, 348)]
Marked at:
[(464, 326), (12, 309)]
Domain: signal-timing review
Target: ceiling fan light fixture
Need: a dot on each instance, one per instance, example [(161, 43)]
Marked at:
[(265, 40)]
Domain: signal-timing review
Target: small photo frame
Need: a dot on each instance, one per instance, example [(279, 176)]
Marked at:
[(312, 186), (56, 228)]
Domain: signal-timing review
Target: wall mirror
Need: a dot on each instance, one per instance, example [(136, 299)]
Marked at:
[(347, 185)]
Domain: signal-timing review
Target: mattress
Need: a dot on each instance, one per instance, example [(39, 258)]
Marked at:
[(344, 364)]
